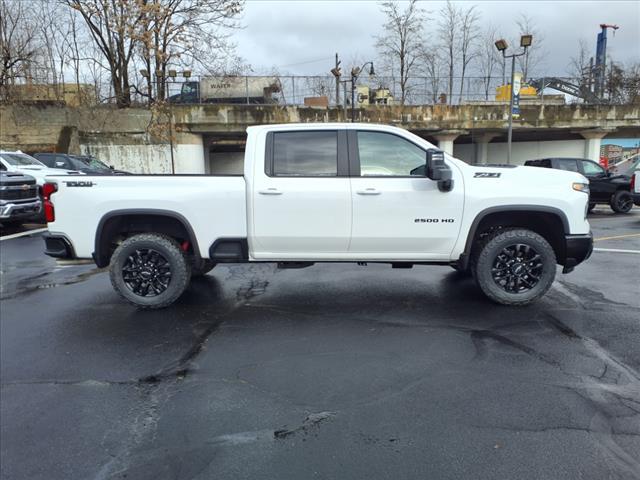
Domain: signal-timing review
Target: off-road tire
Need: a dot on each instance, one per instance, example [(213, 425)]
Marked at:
[(180, 269), (199, 269), (485, 256), (621, 201)]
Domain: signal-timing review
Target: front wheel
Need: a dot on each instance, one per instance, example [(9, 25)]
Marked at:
[(621, 201), (150, 270), (514, 266)]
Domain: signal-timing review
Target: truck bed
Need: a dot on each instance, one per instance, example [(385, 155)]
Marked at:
[(215, 206)]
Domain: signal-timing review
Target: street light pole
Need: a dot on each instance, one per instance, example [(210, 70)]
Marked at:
[(355, 73), (501, 45), (510, 131)]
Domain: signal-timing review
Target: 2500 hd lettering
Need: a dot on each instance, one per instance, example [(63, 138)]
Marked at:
[(326, 193)]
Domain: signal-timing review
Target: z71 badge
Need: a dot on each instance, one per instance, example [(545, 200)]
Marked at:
[(487, 175)]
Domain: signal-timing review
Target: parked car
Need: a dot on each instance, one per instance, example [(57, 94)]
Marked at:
[(605, 188), (23, 163), (83, 163), (19, 200), (326, 192), (18, 162)]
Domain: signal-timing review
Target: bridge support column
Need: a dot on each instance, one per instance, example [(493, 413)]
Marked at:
[(445, 140), (592, 141), (482, 155), (188, 154)]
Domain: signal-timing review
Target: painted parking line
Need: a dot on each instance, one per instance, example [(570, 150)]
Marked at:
[(617, 236), (23, 234), (615, 250)]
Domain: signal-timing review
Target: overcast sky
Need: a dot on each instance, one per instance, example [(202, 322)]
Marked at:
[(302, 37)]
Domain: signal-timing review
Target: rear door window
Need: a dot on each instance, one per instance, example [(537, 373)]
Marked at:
[(305, 154), (569, 164), (46, 159)]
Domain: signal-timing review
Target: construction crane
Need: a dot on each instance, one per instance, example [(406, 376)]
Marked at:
[(591, 87), (600, 68)]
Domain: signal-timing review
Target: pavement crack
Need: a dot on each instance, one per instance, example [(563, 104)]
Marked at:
[(312, 420), (183, 365)]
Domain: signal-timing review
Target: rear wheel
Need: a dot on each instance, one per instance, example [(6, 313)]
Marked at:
[(514, 266), (150, 270), (621, 201)]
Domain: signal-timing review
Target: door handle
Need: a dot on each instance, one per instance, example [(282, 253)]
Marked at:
[(369, 191), (270, 191)]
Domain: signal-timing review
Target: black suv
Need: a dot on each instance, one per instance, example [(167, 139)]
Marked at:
[(83, 163), (614, 190)]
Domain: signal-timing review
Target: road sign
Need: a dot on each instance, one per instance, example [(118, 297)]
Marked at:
[(517, 83)]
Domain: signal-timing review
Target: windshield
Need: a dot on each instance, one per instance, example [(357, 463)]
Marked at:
[(90, 162), (21, 160)]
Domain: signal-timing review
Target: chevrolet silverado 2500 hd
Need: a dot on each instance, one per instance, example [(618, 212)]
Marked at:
[(326, 193)]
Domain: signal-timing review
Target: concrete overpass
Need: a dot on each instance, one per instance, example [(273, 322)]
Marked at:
[(210, 138)]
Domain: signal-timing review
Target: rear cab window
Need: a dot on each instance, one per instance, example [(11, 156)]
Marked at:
[(545, 163), (303, 154)]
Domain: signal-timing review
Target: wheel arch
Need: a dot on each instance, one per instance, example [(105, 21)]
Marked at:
[(550, 222), (139, 220)]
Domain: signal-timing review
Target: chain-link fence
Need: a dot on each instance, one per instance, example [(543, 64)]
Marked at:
[(329, 91)]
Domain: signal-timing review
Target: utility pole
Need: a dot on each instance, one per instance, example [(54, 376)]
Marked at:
[(337, 81), (335, 71)]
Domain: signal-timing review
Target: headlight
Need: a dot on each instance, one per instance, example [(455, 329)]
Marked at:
[(581, 187)]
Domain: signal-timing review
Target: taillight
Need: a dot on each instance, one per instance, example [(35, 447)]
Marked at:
[(633, 182), (47, 190)]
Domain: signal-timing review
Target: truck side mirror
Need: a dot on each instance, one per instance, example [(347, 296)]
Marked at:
[(438, 170)]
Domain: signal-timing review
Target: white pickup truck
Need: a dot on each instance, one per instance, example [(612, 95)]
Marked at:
[(326, 192)]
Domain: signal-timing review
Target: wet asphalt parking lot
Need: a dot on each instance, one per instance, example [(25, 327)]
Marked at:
[(334, 371)]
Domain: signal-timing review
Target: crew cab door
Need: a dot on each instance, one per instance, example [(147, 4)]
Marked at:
[(399, 213), (599, 184), (302, 198)]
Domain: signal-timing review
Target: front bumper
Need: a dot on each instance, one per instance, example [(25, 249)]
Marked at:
[(58, 246), (577, 249), (10, 211)]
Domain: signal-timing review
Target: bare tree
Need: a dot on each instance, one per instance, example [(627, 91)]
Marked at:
[(113, 25), (623, 83), (186, 33), (535, 53), (19, 43), (488, 58), (448, 31), (431, 67), (579, 64), (469, 35), (402, 40)]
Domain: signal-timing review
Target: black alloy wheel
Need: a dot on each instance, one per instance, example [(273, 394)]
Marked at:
[(622, 202), (517, 268), (146, 272)]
